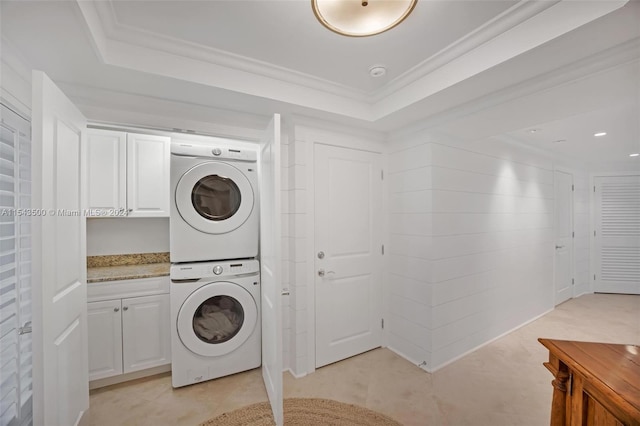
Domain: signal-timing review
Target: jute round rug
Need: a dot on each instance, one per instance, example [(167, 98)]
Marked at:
[(304, 412)]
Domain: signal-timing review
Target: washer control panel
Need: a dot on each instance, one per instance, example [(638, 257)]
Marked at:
[(198, 270)]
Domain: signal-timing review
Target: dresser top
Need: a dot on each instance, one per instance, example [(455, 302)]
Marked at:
[(614, 368)]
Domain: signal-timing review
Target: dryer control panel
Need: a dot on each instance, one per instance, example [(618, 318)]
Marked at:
[(199, 270), (220, 152)]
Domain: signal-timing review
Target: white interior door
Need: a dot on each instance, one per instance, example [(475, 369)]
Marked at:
[(563, 263), (348, 244), (617, 234), (270, 264), (60, 350)]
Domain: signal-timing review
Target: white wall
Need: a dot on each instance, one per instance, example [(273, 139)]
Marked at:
[(15, 79), (471, 241), (127, 235), (296, 242), (493, 243), (581, 226), (408, 322)]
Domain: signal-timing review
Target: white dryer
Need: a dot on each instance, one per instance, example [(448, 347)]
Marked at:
[(215, 312), (214, 203)]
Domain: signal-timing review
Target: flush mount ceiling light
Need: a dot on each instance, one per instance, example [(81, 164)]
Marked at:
[(597, 135), (361, 18)]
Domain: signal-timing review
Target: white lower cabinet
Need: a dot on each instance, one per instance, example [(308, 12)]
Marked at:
[(128, 334), (105, 339), (145, 332)]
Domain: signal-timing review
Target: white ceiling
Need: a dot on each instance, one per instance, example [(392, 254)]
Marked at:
[(573, 137), (286, 33), (451, 61)]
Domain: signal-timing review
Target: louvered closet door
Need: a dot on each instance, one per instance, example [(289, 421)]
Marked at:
[(617, 238), (15, 270)]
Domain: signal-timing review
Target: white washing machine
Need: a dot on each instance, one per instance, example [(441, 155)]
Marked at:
[(215, 312), (214, 203)]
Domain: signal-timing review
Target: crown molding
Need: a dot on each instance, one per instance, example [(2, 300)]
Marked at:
[(600, 62), (526, 25), (105, 22), (508, 19), (552, 22)]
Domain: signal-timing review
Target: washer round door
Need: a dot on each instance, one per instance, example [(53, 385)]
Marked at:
[(214, 197), (217, 319)]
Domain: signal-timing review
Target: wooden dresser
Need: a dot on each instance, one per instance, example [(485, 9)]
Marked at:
[(595, 383)]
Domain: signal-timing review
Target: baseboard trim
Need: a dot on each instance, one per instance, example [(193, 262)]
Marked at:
[(419, 364), (108, 381), (444, 364), (297, 376), (84, 419)]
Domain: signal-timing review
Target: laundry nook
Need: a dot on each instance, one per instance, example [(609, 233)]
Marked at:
[(325, 212)]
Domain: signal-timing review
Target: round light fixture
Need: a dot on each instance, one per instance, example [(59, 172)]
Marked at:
[(597, 135), (361, 18)]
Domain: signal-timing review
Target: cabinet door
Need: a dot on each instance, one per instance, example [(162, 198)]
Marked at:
[(105, 339), (145, 331), (148, 175), (105, 170)]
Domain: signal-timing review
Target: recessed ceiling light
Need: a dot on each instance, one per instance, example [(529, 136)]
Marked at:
[(377, 71), (634, 154), (560, 141), (534, 131), (597, 135)]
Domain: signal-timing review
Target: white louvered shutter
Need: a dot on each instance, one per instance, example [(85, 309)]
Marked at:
[(15, 270), (617, 234)]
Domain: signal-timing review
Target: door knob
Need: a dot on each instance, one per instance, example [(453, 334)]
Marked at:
[(322, 273)]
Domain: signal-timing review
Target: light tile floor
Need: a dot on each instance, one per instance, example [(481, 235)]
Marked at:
[(502, 383)]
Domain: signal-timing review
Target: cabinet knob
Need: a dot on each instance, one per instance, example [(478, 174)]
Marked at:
[(130, 210), (116, 309), (124, 308)]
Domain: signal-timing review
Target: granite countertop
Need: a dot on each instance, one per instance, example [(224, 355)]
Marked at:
[(127, 267)]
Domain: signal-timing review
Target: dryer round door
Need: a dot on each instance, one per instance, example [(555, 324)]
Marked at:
[(217, 319), (214, 197)]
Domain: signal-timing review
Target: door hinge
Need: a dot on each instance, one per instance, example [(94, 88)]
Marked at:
[(383, 249), (594, 188), (573, 188), (594, 233), (573, 280), (594, 277), (382, 323), (381, 174), (573, 234)]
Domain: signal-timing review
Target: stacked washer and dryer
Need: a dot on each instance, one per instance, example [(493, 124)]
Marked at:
[(215, 278)]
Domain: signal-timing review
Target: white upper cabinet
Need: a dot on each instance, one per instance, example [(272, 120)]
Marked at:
[(148, 175), (127, 174), (106, 160)]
